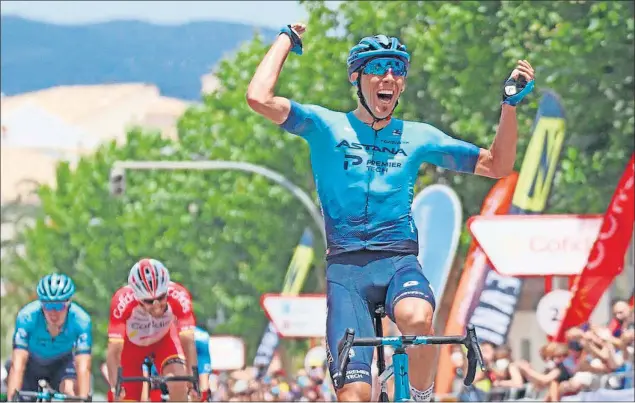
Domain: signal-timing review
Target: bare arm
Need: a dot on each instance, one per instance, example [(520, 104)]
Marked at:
[(613, 360), (189, 348), (203, 383), (113, 360), (16, 374), (498, 160), (515, 378), (599, 352), (260, 95), (82, 366), (541, 379)]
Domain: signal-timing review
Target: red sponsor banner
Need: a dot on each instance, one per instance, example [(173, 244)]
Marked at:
[(497, 201), (606, 260)]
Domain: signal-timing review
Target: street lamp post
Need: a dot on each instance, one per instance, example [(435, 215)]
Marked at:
[(117, 178)]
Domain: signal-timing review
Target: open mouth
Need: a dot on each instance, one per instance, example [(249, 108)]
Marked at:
[(385, 96)]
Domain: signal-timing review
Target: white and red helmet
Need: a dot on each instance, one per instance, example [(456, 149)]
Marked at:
[(149, 279)]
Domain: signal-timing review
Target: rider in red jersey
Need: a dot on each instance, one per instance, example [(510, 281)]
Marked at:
[(150, 316)]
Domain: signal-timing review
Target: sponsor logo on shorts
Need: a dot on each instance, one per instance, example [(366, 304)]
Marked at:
[(356, 374), (414, 293), (410, 283)]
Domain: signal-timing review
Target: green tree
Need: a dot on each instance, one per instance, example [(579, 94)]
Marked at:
[(238, 241)]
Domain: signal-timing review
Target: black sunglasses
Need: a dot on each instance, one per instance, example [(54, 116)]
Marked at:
[(150, 301)]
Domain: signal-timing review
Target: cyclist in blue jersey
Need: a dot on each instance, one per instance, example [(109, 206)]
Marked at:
[(201, 338), (52, 341), (204, 361), (365, 164)]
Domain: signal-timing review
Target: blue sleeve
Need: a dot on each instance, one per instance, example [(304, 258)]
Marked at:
[(302, 120), (450, 153), (84, 342), (22, 333), (203, 356)]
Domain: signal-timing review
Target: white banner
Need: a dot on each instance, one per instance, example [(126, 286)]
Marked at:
[(438, 216), (296, 316), (227, 353), (536, 245)]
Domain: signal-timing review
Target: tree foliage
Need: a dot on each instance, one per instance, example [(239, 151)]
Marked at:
[(237, 242)]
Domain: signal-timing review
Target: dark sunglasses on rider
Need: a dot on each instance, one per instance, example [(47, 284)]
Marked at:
[(150, 301), (380, 67), (56, 306)]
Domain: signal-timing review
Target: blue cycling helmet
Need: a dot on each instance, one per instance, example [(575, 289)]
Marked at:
[(375, 46), (369, 48), (55, 287)]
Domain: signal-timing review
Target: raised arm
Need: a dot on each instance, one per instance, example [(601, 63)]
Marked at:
[(498, 160), (260, 96)]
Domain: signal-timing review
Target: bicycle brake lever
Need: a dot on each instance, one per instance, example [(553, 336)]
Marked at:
[(195, 377), (118, 383), (471, 331), (474, 355), (343, 350)]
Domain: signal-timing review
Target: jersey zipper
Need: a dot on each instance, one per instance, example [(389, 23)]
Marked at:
[(367, 236)]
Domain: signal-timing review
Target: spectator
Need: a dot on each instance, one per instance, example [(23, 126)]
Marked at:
[(483, 379), (621, 314), (505, 372), (555, 374)]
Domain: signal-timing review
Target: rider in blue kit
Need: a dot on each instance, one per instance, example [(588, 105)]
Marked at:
[(365, 164), (52, 341)]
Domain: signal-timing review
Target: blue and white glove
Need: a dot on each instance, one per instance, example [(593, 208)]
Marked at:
[(296, 41), (514, 90)]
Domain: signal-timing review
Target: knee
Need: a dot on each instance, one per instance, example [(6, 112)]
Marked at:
[(354, 392), (176, 388), (67, 387), (414, 316)]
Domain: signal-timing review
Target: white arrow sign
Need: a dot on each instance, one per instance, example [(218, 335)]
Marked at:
[(536, 245), (296, 316)]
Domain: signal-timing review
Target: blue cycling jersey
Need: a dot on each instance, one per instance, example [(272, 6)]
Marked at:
[(31, 333), (365, 178), (201, 339), (203, 356)]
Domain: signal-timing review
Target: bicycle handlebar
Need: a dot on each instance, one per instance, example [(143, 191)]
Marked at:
[(157, 379), (470, 341), (48, 396)]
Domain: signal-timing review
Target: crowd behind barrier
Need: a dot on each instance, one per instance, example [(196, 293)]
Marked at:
[(596, 361), (303, 386)]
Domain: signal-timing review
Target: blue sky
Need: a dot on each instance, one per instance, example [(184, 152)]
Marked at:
[(265, 13)]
